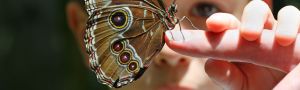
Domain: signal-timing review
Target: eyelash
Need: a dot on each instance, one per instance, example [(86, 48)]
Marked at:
[(204, 10)]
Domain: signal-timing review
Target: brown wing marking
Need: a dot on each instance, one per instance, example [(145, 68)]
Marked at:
[(144, 39)]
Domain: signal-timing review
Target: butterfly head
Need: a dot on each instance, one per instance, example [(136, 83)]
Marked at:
[(172, 19)]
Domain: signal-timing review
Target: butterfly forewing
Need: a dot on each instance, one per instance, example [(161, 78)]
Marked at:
[(122, 37)]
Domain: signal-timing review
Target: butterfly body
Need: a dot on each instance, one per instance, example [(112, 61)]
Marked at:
[(122, 37)]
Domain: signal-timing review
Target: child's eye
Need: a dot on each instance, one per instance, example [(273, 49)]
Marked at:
[(204, 9)]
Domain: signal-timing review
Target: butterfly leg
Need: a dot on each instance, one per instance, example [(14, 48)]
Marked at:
[(181, 31), (186, 18)]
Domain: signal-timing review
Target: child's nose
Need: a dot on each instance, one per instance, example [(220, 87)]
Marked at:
[(168, 57)]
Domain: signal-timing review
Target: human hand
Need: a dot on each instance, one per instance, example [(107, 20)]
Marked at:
[(242, 76), (258, 39)]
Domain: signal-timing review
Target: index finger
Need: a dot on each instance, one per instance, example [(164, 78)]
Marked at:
[(230, 46)]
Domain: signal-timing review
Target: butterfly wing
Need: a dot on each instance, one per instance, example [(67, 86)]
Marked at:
[(93, 5), (121, 39)]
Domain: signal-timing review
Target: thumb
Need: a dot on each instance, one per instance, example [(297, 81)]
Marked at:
[(290, 81), (226, 74)]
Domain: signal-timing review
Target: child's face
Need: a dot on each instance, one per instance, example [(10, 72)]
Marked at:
[(170, 70), (199, 10), (173, 71)]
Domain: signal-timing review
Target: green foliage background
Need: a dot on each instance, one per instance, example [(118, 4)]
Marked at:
[(38, 51)]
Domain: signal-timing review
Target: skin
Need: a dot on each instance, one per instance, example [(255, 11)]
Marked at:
[(264, 42), (231, 42)]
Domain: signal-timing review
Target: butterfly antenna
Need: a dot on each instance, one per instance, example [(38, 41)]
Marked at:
[(186, 18)]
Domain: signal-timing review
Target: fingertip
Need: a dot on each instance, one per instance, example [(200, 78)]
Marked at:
[(215, 23), (169, 39), (288, 9), (258, 2), (176, 40), (220, 22), (250, 34), (195, 42), (168, 36), (288, 25), (285, 40), (256, 14)]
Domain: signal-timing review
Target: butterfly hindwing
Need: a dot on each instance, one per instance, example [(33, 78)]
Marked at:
[(122, 39)]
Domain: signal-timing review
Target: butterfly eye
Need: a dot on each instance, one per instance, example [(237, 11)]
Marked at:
[(205, 9), (133, 66), (125, 57), (119, 19)]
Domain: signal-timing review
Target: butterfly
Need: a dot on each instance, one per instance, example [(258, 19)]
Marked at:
[(122, 36)]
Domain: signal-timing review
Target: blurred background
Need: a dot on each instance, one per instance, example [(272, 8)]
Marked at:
[(38, 51)]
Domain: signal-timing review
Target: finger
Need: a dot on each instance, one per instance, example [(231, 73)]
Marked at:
[(225, 74), (288, 25), (256, 16), (290, 81), (220, 22), (229, 46)]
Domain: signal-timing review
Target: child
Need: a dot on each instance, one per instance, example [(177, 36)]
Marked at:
[(175, 71)]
